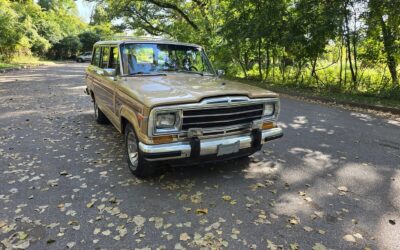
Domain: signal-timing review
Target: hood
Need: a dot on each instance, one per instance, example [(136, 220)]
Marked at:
[(179, 88)]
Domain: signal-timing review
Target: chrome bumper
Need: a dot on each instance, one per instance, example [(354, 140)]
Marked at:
[(178, 150)]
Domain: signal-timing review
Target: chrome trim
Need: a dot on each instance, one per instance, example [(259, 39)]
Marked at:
[(207, 146), (232, 113), (230, 120), (233, 101)]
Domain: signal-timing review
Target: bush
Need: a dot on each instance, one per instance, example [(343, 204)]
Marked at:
[(88, 38), (67, 48)]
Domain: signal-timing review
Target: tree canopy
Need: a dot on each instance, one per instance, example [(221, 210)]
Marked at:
[(46, 28), (343, 45), (299, 40)]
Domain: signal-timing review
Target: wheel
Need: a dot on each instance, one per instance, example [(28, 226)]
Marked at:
[(99, 116), (79, 60), (136, 163)]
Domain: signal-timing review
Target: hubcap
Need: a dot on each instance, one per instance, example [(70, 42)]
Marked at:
[(133, 153)]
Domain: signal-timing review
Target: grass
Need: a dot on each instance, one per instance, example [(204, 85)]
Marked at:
[(21, 61), (4, 65), (357, 98)]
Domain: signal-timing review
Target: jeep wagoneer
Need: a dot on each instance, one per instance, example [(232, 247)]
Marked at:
[(173, 107)]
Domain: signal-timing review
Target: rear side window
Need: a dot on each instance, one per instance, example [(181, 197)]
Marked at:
[(96, 57), (114, 59), (105, 57)]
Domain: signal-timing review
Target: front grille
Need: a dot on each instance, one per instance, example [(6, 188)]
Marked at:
[(217, 117)]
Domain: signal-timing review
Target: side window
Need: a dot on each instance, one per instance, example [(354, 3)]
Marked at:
[(96, 57), (114, 59), (105, 57)]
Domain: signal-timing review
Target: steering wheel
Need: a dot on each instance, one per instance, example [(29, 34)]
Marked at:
[(193, 68)]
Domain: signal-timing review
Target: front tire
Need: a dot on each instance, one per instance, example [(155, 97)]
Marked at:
[(99, 116), (136, 163)]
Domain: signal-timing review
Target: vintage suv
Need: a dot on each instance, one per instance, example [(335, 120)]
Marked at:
[(173, 108)]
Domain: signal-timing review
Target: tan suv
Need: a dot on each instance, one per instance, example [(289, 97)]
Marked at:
[(173, 108)]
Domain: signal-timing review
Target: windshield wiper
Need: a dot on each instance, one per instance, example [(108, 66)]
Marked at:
[(147, 74), (191, 72)]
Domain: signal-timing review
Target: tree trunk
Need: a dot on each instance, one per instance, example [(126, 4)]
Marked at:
[(348, 45), (260, 74), (341, 63), (243, 68), (268, 64), (388, 42), (313, 70)]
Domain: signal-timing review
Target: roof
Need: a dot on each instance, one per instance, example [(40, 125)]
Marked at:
[(144, 40)]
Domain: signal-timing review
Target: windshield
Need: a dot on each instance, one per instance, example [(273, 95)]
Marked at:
[(160, 58)]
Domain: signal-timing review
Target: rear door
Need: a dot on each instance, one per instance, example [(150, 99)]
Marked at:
[(104, 85)]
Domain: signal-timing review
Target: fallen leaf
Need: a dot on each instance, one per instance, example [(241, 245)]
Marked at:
[(22, 235), (271, 245), (106, 233), (71, 244), (184, 237), (293, 221), (349, 238), (91, 203), (21, 245), (319, 246), (227, 198), (139, 220), (308, 229), (294, 246), (202, 211), (2, 223), (196, 198)]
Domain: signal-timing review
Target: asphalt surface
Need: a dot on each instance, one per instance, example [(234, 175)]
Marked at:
[(332, 182)]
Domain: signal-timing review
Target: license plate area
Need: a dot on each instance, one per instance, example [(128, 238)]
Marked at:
[(226, 149)]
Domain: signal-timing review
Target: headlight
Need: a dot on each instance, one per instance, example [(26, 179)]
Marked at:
[(269, 109), (167, 122)]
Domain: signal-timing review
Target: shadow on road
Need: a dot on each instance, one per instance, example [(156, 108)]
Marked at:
[(335, 173)]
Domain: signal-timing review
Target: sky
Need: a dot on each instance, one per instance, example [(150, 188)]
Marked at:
[(85, 9)]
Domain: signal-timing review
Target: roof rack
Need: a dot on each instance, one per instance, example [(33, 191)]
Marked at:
[(142, 38)]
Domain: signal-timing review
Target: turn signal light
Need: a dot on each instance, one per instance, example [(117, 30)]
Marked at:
[(163, 139), (268, 125)]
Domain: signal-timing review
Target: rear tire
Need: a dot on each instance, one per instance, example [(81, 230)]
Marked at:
[(136, 163), (99, 116)]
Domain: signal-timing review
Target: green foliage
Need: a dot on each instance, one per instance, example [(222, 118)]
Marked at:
[(88, 38), (66, 48), (10, 29), (43, 28), (338, 45)]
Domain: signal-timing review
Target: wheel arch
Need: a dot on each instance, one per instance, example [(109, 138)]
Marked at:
[(129, 116)]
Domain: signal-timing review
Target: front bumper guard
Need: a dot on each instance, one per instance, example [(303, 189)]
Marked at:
[(196, 147)]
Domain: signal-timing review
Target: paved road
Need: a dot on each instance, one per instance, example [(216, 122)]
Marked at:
[(333, 179)]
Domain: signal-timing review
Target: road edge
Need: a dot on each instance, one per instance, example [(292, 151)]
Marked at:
[(327, 100)]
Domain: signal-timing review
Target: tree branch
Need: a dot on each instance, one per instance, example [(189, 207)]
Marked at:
[(175, 8)]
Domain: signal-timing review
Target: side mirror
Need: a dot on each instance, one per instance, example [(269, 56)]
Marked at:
[(220, 72), (110, 72)]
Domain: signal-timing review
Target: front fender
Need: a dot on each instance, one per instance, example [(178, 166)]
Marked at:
[(128, 115)]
